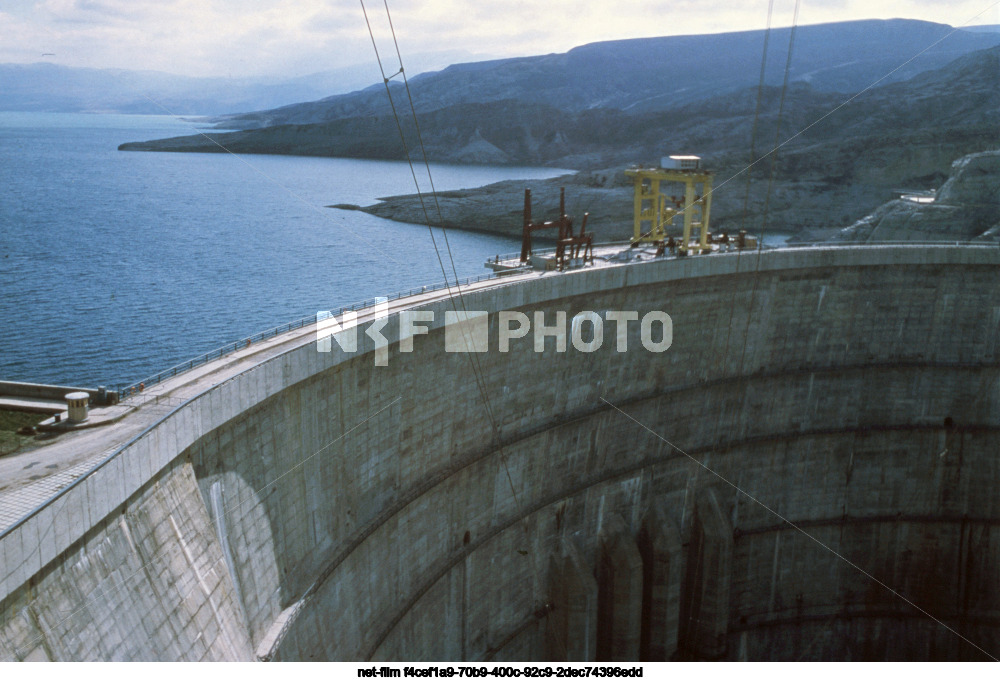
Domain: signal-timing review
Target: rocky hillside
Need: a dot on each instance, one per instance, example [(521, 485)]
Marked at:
[(655, 74), (840, 169), (960, 96), (843, 158), (965, 208)]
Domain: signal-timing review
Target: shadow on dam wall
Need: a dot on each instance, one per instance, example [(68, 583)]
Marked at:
[(338, 510)]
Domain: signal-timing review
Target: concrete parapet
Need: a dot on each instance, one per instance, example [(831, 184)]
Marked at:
[(368, 511), (42, 390)]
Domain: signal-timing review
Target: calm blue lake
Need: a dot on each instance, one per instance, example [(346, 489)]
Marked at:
[(114, 265)]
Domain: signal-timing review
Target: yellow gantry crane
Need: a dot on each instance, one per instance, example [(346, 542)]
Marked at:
[(655, 211)]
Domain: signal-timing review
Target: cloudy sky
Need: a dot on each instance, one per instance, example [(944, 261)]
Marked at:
[(297, 37)]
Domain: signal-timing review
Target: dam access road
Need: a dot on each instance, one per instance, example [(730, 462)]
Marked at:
[(807, 472)]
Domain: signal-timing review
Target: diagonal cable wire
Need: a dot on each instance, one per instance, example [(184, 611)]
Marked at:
[(777, 130), (163, 551), (850, 99), (796, 527), (476, 367), (437, 205), (756, 113), (770, 188), (423, 205), (746, 196), (474, 362)]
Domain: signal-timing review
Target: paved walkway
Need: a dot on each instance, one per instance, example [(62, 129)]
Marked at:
[(30, 477), (32, 404)]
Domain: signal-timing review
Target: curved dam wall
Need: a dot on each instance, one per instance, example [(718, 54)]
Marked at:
[(318, 506)]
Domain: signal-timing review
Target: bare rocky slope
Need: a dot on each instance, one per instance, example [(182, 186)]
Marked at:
[(841, 156), (965, 208), (904, 135), (656, 74)]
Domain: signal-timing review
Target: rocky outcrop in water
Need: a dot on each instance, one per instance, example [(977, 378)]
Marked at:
[(838, 157)]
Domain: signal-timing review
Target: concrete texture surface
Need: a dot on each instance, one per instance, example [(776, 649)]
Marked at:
[(307, 505)]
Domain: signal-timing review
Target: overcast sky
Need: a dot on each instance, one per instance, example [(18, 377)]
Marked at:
[(297, 37)]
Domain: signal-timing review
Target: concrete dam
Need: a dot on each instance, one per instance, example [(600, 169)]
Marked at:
[(808, 471)]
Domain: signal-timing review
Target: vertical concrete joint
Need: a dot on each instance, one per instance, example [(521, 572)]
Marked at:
[(619, 600), (662, 558), (571, 629), (705, 611)]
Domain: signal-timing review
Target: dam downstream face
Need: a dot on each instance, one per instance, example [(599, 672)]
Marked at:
[(348, 511)]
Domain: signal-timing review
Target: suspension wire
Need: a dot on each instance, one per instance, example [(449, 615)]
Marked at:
[(476, 369), (753, 154), (756, 113), (770, 184), (474, 359), (741, 386), (423, 151), (477, 365), (722, 361), (777, 129), (420, 140)]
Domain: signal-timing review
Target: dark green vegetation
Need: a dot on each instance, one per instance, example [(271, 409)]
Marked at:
[(10, 423), (602, 107)]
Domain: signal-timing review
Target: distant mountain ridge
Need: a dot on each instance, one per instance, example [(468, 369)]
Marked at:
[(841, 154), (961, 94), (655, 74), (845, 163), (54, 88), (48, 87)]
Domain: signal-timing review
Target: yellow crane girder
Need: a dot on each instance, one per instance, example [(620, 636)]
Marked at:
[(654, 211)]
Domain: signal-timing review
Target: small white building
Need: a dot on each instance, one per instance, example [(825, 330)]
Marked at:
[(77, 405), (680, 162)]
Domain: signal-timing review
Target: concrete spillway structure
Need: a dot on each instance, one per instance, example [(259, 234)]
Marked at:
[(316, 506)]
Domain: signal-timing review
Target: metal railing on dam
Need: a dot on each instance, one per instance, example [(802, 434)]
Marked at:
[(235, 389), (127, 391), (131, 393), (132, 389)]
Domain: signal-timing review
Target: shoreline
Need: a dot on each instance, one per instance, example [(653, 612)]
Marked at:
[(498, 208), (607, 195)]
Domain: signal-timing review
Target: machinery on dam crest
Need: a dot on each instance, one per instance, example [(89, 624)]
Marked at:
[(654, 213), (807, 472)]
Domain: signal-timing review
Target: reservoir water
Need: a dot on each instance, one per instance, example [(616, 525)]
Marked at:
[(115, 265)]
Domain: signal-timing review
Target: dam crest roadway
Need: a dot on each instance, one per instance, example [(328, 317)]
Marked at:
[(281, 503)]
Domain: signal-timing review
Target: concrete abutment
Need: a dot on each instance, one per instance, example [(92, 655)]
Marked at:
[(320, 507)]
